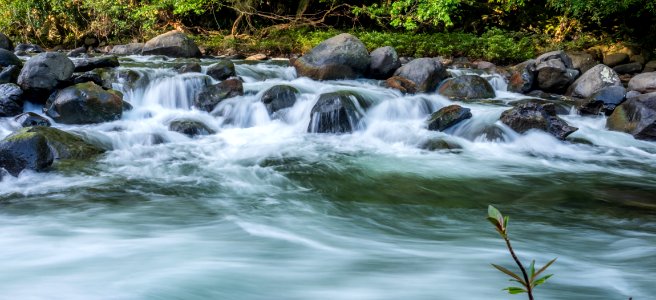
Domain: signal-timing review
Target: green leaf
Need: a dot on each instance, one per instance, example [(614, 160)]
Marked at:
[(541, 280), (543, 268), (510, 273), (515, 290), (531, 270), (494, 213), (505, 222)]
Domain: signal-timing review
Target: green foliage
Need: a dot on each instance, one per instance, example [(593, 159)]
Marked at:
[(529, 279)]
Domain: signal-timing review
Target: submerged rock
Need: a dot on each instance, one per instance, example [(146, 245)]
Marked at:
[(439, 144), (173, 43), (279, 97), (447, 117), (221, 70), (636, 116), (532, 115), (84, 103), (43, 73), (30, 119), (190, 67), (11, 102), (466, 87), (212, 95), (384, 61), (338, 112), (592, 81), (340, 57), (426, 73), (190, 128)]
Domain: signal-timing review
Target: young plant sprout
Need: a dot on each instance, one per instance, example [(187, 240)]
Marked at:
[(529, 279)]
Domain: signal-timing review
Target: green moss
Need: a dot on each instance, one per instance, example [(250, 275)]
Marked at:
[(66, 145)]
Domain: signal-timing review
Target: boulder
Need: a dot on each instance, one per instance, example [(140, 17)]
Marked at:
[(84, 65), (256, 57), (11, 102), (582, 61), (8, 58), (36, 148), (173, 43), (630, 68), (340, 57), (30, 119), (29, 48), (279, 97), (439, 144), (191, 67), (212, 95), (554, 76), (84, 103), (221, 70), (595, 79), (128, 49), (90, 77), (447, 117), (466, 87), (77, 52), (43, 73), (5, 42), (643, 83), (337, 112), (522, 77), (615, 59), (605, 100), (384, 61), (636, 116), (426, 73), (533, 115), (9, 74), (650, 67), (190, 128), (555, 55), (404, 85)]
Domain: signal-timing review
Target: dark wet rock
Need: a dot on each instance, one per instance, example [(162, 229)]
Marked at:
[(190, 128), (77, 52), (11, 102), (562, 104), (340, 57), (29, 48), (555, 55), (605, 100), (404, 85), (595, 79), (279, 97), (582, 61), (630, 68), (650, 67), (554, 76), (643, 83), (5, 42), (8, 58), (221, 70), (172, 44), (439, 144), (30, 119), (522, 77), (636, 116), (615, 59), (84, 65), (338, 112), (89, 77), (128, 49), (191, 67), (9, 74), (43, 73), (537, 116), (448, 116), (212, 95), (426, 73), (84, 103), (384, 61), (466, 87), (35, 148)]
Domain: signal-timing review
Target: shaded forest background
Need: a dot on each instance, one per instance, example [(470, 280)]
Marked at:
[(417, 27)]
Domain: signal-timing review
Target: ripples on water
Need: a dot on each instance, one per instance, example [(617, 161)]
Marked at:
[(263, 210)]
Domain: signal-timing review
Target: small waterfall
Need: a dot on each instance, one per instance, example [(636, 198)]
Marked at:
[(497, 81)]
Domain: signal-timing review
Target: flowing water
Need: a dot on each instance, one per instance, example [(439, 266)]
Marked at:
[(264, 210)]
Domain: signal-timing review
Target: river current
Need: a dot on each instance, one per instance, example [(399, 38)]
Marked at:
[(264, 210)]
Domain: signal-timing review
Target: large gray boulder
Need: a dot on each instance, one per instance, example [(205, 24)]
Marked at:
[(595, 79), (539, 116), (11, 102), (173, 43), (338, 112), (340, 57), (643, 83), (43, 73), (212, 95), (384, 61), (221, 70), (554, 75), (557, 55), (448, 116), (128, 49), (88, 64), (36, 148), (636, 116), (426, 73), (5, 42), (84, 103), (466, 87), (279, 97)]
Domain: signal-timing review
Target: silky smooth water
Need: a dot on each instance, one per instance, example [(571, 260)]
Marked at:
[(265, 210)]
